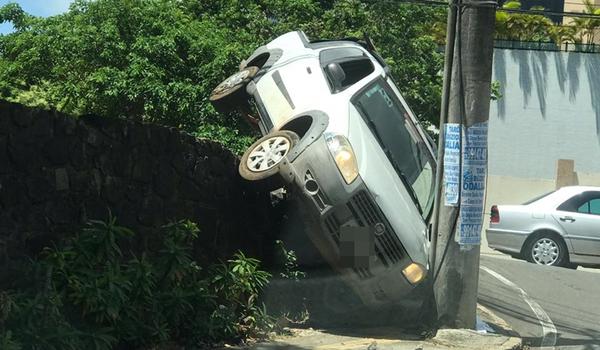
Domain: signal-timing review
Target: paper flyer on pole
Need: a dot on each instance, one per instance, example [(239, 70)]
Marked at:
[(473, 175), (451, 163)]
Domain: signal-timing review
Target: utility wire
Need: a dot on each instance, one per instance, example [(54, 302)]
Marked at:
[(495, 4)]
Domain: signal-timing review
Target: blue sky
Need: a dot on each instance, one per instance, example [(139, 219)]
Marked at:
[(42, 8)]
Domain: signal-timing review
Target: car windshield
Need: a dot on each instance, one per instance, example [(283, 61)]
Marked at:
[(400, 140)]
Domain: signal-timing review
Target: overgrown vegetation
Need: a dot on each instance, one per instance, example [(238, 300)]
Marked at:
[(533, 27), (92, 292), (158, 60)]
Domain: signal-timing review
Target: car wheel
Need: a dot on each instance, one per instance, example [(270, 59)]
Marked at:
[(547, 250), (231, 92), (261, 161)]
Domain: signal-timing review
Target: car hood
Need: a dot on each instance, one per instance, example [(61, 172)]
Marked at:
[(388, 189)]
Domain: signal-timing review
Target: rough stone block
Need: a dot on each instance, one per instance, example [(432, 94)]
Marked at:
[(114, 189), (5, 123), (42, 127), (5, 164), (143, 169), (23, 117), (95, 208), (24, 157), (151, 213), (38, 188), (57, 151), (188, 190), (61, 179), (59, 211), (165, 180)]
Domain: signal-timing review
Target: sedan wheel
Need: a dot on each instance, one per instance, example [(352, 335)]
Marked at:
[(545, 252), (548, 250)]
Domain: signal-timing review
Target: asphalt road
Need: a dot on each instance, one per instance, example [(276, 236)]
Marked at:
[(549, 307)]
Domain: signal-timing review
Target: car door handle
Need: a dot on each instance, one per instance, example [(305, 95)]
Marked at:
[(567, 218)]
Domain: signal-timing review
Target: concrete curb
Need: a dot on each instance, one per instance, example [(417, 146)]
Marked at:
[(392, 339)]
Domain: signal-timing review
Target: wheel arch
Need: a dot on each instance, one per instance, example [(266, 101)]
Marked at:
[(309, 126), (262, 57), (538, 233)]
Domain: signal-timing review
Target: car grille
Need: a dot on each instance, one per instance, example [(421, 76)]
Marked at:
[(333, 228), (366, 213), (387, 245)]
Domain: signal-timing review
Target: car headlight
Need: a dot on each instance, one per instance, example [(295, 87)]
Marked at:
[(344, 157), (414, 273)]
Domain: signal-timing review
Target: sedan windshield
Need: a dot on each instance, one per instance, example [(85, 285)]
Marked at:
[(390, 123)]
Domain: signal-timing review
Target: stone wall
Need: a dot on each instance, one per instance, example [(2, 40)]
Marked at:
[(57, 172)]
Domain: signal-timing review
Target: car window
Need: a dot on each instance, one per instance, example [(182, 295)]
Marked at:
[(399, 139), (334, 55), (595, 206), (585, 203), (343, 67), (585, 208), (590, 207)]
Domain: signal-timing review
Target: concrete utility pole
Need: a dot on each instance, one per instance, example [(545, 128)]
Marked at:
[(465, 110)]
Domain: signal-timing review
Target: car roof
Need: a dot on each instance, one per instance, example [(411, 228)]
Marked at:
[(578, 189), (562, 194)]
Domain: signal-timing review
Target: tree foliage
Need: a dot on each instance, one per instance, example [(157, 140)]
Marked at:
[(588, 27), (536, 27), (158, 60)]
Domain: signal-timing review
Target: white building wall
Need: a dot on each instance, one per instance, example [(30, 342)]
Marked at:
[(550, 110)]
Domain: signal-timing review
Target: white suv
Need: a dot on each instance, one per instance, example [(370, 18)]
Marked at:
[(339, 132)]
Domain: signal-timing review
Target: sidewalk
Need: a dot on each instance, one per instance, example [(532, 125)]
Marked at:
[(493, 333)]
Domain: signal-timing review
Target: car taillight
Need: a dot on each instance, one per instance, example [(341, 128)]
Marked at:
[(495, 215)]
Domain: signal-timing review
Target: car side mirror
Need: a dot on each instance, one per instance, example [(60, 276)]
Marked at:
[(336, 74)]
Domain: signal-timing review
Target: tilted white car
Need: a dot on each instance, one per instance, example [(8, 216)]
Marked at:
[(338, 131), (561, 228)]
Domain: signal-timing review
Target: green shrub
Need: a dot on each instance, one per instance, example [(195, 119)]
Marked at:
[(94, 293)]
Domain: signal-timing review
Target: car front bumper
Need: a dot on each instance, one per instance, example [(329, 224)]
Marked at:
[(348, 227)]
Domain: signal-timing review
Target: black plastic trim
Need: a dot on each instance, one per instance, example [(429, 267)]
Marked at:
[(318, 126), (279, 82)]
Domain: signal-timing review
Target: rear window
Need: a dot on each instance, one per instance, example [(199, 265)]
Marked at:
[(538, 198)]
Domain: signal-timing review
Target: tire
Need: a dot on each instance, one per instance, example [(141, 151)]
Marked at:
[(547, 249), (264, 169), (231, 92)]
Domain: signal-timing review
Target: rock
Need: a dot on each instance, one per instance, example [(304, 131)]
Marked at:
[(114, 190), (38, 189), (57, 151), (5, 165), (151, 212), (22, 118), (165, 180), (62, 179)]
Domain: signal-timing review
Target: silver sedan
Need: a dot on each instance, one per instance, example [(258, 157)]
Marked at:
[(560, 228)]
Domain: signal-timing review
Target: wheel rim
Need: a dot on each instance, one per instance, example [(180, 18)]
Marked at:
[(545, 251), (231, 82), (268, 154)]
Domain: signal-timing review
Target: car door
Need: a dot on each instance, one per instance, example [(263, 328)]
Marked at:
[(580, 218)]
